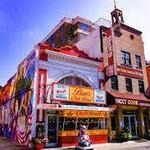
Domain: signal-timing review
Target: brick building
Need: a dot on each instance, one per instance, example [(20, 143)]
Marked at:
[(126, 78), (148, 76), (60, 87)]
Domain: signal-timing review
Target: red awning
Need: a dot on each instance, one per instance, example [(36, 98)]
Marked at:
[(129, 96)]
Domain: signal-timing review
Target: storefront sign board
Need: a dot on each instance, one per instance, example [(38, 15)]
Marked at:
[(132, 102), (61, 92), (81, 94), (90, 132), (126, 71), (78, 94), (100, 96), (72, 107), (83, 113)]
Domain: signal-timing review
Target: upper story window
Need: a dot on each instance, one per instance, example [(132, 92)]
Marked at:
[(73, 80), (141, 86), (138, 61), (84, 26), (128, 84), (126, 59), (114, 83)]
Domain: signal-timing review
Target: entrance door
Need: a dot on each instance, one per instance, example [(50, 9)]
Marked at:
[(52, 130), (130, 123)]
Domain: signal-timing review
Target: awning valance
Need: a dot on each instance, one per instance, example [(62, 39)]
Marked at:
[(127, 99)]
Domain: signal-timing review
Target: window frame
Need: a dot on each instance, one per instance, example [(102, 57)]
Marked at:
[(129, 87), (142, 88), (102, 123), (126, 57), (138, 62), (84, 27), (91, 125), (69, 127), (114, 83)]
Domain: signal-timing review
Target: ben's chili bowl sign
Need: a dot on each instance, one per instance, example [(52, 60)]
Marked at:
[(78, 94)]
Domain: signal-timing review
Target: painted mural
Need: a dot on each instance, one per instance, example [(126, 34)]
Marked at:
[(16, 98)]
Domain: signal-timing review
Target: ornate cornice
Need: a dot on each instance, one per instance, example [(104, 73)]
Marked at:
[(73, 59)]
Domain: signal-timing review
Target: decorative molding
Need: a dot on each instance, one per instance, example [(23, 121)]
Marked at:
[(73, 59), (77, 74)]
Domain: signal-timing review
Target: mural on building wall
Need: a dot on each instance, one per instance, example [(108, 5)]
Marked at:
[(17, 98)]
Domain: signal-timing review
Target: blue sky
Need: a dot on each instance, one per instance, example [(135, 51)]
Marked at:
[(24, 23)]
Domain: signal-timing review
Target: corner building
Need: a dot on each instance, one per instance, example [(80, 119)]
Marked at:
[(58, 89), (126, 78)]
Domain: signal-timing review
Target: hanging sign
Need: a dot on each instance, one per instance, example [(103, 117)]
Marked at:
[(110, 68)]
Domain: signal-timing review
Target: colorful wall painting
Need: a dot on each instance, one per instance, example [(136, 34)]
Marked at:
[(17, 97)]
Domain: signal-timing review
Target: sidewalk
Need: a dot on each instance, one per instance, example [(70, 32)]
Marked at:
[(6, 144), (130, 145)]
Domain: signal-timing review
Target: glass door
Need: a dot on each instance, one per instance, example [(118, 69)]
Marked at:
[(130, 123), (133, 126), (52, 130)]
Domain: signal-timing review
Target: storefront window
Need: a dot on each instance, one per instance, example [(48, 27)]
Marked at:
[(93, 123), (82, 121), (70, 124), (61, 122), (102, 123)]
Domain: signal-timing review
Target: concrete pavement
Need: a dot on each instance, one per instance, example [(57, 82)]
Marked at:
[(6, 144), (130, 145)]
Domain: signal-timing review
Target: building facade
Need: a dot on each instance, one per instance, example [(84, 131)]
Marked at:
[(126, 78), (148, 76), (59, 87), (69, 30), (58, 90)]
